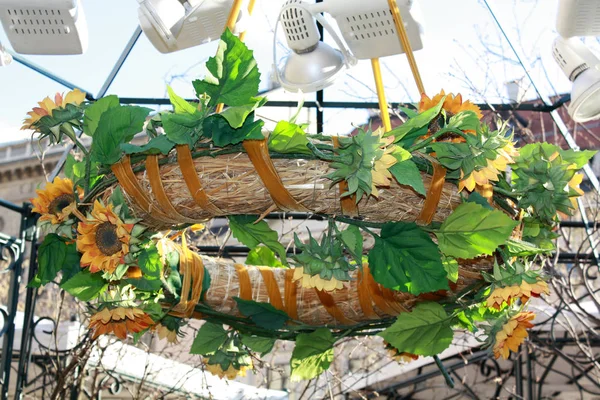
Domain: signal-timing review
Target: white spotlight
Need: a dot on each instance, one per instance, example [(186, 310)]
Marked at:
[(49, 27), (581, 67), (171, 25)]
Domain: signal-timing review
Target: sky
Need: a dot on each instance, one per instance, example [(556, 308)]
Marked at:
[(464, 52)]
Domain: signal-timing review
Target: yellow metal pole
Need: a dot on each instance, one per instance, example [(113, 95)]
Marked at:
[(406, 44), (383, 106), (233, 16)]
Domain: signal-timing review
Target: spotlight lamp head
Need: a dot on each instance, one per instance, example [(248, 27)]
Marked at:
[(312, 65), (45, 27), (581, 67), (173, 25)]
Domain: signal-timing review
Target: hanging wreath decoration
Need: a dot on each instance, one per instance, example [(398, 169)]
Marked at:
[(455, 232)]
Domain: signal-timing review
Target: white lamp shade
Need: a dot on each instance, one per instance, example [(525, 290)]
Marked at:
[(312, 71), (578, 18), (585, 96), (48, 27)]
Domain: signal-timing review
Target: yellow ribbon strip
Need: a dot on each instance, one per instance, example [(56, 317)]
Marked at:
[(272, 287), (434, 194), (332, 308), (130, 184), (158, 189), (192, 180), (258, 152), (244, 281), (290, 293)]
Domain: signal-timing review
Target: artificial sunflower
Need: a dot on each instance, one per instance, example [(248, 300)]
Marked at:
[(399, 357), (380, 174), (57, 201), (574, 184), (452, 106), (166, 333), (524, 291), (119, 321), (230, 373), (512, 334), (48, 105), (315, 281), (103, 239), (480, 177)]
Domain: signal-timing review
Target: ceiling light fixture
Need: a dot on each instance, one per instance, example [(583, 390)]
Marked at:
[(47, 27), (171, 25)]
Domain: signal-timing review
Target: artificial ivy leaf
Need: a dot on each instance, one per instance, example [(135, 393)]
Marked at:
[(236, 115), (232, 76), (180, 105), (579, 157), (51, 256), (250, 234), (425, 331), (117, 125), (85, 286), (222, 134), (173, 279), (262, 345), (312, 355), (210, 338), (157, 145), (451, 267), (465, 121), (405, 258), (521, 248), (472, 230), (452, 155), (407, 173), (263, 256), (415, 124), (71, 168), (476, 198), (145, 284), (183, 128), (150, 263), (71, 265), (288, 138), (262, 314), (93, 113), (353, 240)]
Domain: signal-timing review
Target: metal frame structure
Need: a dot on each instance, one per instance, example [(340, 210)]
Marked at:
[(14, 251)]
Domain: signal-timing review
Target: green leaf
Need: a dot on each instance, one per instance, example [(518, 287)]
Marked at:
[(451, 267), (250, 234), (51, 256), (452, 155), (579, 158), (262, 314), (312, 355), (71, 265), (117, 125), (472, 230), (183, 128), (465, 121), (288, 138), (479, 199), (216, 127), (262, 345), (263, 256), (236, 115), (85, 286), (210, 338), (232, 76), (158, 145), (521, 248), (150, 263), (353, 241), (180, 105), (405, 258), (426, 331), (407, 173), (93, 113), (72, 168), (416, 123), (145, 284)]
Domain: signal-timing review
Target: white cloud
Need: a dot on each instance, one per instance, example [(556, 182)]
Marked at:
[(10, 133)]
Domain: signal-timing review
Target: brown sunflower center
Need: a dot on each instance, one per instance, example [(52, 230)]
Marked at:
[(58, 204), (107, 240)]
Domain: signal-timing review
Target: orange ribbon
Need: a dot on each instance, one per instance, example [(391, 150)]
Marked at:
[(434, 194), (192, 180)]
